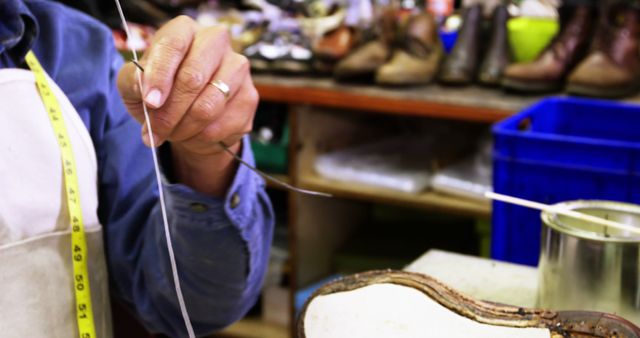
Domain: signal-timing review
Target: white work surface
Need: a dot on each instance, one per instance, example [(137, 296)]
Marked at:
[(481, 278)]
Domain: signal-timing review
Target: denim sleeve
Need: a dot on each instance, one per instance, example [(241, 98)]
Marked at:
[(221, 244)]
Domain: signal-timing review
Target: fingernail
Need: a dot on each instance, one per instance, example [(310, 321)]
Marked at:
[(153, 98), (156, 140), (145, 139)]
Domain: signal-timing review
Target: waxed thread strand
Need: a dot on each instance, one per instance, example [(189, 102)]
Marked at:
[(172, 259)]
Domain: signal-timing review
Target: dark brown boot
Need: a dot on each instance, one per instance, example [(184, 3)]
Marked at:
[(549, 70), (461, 65), (417, 57), (612, 69), (498, 54)]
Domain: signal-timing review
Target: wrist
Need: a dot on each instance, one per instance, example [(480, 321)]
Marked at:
[(210, 174)]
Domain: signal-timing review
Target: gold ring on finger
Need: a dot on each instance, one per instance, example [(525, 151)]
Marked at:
[(222, 87)]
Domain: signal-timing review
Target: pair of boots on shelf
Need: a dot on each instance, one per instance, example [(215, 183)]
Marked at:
[(404, 53), (604, 64), (415, 55), (465, 63)]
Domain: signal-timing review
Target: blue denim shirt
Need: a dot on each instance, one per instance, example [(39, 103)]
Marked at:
[(221, 248)]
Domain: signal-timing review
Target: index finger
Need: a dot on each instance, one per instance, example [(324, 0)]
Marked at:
[(168, 48)]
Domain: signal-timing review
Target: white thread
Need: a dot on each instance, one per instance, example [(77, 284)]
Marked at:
[(172, 259)]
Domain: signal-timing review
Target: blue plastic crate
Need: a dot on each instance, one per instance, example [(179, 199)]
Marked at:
[(557, 150)]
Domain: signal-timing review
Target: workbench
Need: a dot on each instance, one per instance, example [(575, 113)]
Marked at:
[(481, 278), (324, 116)]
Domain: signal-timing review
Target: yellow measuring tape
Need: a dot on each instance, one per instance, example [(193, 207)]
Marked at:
[(84, 311)]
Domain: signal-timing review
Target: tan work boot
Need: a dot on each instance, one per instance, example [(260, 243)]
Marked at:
[(363, 62), (418, 59)]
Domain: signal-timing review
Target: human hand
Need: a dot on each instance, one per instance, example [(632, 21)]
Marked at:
[(185, 108)]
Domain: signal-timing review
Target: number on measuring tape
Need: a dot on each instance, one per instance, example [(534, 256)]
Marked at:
[(84, 311)]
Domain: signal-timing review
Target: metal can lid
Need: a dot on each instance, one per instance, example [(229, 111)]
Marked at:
[(625, 213)]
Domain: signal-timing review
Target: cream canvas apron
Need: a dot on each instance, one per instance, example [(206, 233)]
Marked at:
[(36, 289)]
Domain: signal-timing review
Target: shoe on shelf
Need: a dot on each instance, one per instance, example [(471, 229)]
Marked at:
[(548, 71), (263, 52), (404, 304), (498, 54), (363, 62), (336, 44), (417, 58), (612, 68), (296, 56), (461, 65), (249, 36), (331, 48), (317, 27)]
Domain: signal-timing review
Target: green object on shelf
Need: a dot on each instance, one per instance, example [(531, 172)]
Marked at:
[(483, 230), (272, 157), (528, 36)]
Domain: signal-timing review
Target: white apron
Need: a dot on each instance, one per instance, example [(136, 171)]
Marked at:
[(37, 297)]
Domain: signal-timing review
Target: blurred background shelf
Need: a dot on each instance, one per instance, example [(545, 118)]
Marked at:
[(325, 116), (428, 200), (460, 103)]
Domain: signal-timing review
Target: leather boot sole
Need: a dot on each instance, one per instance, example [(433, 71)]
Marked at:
[(403, 81), (489, 80), (259, 65), (609, 93), (290, 67), (486, 315), (452, 80), (528, 86)]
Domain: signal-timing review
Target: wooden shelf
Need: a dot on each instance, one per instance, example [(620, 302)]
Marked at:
[(428, 200), (460, 103)]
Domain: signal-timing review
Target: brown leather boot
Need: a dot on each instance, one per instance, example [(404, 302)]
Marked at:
[(549, 70), (417, 59), (612, 69), (498, 53), (461, 64)]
